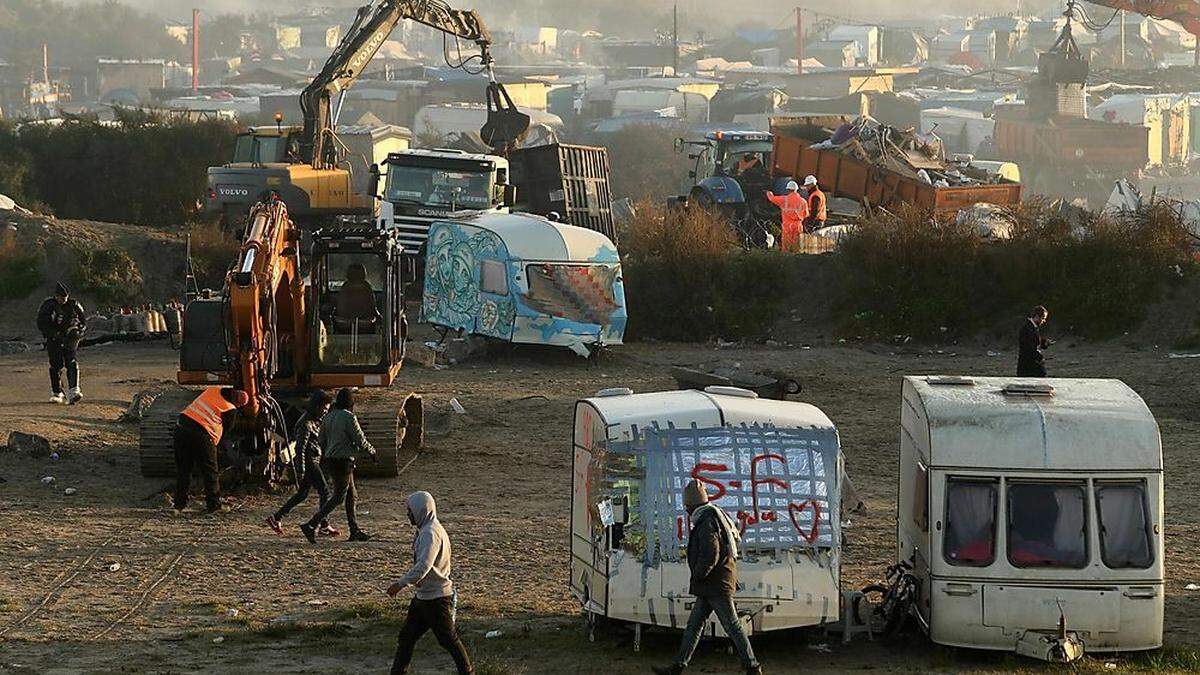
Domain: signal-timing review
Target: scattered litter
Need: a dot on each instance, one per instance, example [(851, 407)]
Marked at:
[(1192, 587), (317, 603), (218, 640), (992, 353), (232, 612), (1110, 666), (54, 457), (493, 634), (113, 567), (458, 407), (70, 491), (820, 648), (580, 349), (48, 480)]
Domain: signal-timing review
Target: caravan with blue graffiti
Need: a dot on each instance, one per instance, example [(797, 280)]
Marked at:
[(524, 279)]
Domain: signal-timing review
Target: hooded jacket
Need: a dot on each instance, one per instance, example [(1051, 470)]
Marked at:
[(430, 573)]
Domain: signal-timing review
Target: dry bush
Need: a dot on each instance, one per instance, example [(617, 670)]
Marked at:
[(676, 234), (213, 250), (910, 274), (686, 278)]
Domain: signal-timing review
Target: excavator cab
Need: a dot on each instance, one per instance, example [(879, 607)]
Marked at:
[(358, 330)]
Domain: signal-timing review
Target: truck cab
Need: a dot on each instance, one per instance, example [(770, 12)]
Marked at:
[(422, 186)]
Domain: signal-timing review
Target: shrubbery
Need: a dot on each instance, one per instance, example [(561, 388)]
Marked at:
[(686, 279), (213, 250), (143, 170), (20, 274), (910, 274), (109, 275)]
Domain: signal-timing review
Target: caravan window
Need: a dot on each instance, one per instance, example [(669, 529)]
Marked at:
[(970, 537), (1047, 525), (1124, 525)]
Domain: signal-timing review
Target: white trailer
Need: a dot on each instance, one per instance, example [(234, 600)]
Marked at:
[(1027, 507), (774, 466)]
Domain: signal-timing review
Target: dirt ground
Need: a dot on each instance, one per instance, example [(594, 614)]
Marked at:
[(107, 580)]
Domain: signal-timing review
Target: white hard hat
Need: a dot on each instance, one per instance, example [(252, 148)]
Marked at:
[(792, 187), (810, 180)]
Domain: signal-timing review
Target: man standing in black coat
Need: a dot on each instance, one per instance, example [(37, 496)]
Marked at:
[(61, 322), (712, 551), (1030, 343)]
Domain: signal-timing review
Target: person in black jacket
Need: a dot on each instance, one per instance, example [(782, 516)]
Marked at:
[(308, 463), (1030, 343), (711, 555), (61, 322)]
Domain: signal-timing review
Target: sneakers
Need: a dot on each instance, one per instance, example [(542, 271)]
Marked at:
[(216, 507), (75, 396), (274, 524), (359, 535), (327, 530), (58, 398), (310, 533)]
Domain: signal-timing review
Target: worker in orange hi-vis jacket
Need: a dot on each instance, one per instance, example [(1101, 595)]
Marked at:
[(197, 435), (795, 209)]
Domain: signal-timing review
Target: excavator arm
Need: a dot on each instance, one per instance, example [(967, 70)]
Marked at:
[(265, 316), (368, 32)]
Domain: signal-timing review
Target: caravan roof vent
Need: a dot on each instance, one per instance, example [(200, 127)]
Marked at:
[(614, 391), (730, 391), (950, 380), (1027, 389)]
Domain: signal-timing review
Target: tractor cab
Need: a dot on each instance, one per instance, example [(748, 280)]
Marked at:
[(357, 333), (731, 174)]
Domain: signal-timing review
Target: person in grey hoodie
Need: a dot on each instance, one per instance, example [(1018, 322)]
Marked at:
[(433, 602)]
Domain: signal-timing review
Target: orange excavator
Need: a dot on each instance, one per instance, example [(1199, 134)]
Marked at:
[(277, 335)]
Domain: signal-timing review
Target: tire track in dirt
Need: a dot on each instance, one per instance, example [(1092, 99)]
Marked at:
[(72, 573)]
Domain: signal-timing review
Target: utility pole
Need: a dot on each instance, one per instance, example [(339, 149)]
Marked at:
[(1122, 38), (45, 63), (195, 51), (799, 42), (675, 40)]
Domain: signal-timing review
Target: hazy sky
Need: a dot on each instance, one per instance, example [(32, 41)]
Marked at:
[(771, 12)]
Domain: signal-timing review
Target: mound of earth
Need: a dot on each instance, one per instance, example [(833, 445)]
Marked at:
[(159, 256)]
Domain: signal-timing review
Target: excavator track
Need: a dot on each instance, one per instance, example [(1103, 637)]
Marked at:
[(396, 433), (156, 447)]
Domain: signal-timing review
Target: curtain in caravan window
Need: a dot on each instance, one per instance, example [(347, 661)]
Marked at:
[(970, 522), (1124, 526), (1047, 525)]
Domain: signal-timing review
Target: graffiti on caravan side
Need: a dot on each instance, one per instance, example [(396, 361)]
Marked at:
[(466, 282), (777, 484)]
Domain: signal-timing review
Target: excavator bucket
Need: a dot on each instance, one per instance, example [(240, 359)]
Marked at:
[(505, 125)]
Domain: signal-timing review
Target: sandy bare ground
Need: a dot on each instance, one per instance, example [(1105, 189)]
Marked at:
[(501, 475)]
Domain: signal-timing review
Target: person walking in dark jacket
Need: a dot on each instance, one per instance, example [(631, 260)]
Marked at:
[(712, 550), (308, 463), (61, 322), (1031, 362), (198, 432), (341, 437), (433, 603)]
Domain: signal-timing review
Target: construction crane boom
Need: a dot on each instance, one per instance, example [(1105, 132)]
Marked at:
[(370, 29)]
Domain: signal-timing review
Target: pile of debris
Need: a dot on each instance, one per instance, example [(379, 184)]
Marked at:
[(905, 151)]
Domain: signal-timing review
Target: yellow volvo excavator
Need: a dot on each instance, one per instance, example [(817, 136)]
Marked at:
[(305, 165)]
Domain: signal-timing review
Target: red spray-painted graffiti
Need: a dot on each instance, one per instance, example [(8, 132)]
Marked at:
[(757, 514)]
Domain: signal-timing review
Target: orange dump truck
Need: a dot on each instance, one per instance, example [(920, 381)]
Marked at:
[(844, 175)]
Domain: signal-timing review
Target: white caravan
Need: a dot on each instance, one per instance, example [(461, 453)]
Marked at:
[(774, 466), (1032, 510)]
